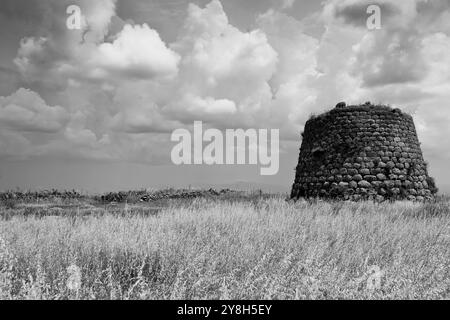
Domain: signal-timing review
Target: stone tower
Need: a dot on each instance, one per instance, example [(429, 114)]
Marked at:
[(362, 152)]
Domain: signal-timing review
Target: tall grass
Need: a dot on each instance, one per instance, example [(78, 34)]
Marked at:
[(267, 249)]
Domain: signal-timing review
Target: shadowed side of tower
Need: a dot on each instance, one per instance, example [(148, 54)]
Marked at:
[(362, 152)]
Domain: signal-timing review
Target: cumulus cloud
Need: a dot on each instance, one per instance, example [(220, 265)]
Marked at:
[(124, 89), (25, 110), (137, 51), (405, 63), (394, 53), (54, 53), (223, 70), (389, 57)]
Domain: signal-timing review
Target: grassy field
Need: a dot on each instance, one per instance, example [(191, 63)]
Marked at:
[(220, 248)]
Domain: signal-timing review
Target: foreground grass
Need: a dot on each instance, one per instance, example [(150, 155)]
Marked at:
[(267, 249)]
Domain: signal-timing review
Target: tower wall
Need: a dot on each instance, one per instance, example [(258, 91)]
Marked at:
[(362, 152)]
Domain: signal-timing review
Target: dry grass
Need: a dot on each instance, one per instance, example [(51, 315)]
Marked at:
[(266, 249)]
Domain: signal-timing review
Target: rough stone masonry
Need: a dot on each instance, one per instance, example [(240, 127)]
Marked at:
[(362, 152)]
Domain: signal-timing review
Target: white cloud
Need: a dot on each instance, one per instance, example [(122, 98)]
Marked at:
[(25, 110), (124, 90), (222, 70), (294, 96), (137, 51)]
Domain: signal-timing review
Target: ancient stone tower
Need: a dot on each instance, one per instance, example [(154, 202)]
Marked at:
[(362, 152)]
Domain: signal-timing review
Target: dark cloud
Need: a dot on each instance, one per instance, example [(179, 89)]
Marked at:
[(9, 80), (432, 8), (6, 70), (166, 16), (29, 10), (37, 17), (356, 14)]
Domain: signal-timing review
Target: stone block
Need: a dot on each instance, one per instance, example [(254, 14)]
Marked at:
[(364, 184)]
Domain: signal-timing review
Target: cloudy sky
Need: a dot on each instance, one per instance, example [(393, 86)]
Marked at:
[(94, 108)]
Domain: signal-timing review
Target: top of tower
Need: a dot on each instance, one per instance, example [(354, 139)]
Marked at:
[(365, 107)]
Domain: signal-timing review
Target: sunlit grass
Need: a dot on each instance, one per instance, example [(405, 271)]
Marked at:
[(266, 249)]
